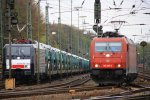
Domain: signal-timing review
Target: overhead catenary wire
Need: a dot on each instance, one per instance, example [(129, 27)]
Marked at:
[(123, 13), (121, 2), (82, 3)]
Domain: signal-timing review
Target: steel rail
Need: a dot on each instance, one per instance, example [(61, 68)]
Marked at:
[(61, 89), (48, 86), (130, 97), (144, 76), (129, 94), (1, 84)]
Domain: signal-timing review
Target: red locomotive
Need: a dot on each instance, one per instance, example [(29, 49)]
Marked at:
[(113, 59)]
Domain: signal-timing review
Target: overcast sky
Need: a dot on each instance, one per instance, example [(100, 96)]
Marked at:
[(129, 28)]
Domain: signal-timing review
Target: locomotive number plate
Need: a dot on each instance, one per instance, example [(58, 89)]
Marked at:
[(108, 66)]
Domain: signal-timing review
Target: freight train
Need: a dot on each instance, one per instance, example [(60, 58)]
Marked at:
[(113, 59), (52, 61)]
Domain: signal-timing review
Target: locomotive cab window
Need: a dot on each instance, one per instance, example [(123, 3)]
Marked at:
[(100, 47), (114, 46), (15, 51), (108, 46)]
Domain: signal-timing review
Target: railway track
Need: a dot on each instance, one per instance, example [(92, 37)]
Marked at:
[(133, 92), (76, 85), (130, 97), (55, 90), (128, 91), (1, 85), (45, 84), (141, 70), (144, 76), (59, 88), (73, 85)]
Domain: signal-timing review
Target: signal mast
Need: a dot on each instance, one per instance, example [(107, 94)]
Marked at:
[(97, 18)]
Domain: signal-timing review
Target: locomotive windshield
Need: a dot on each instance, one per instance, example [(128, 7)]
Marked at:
[(19, 51), (108, 46)]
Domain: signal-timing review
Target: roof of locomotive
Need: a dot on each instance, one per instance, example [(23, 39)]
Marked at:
[(107, 39), (6, 45), (35, 45), (111, 36), (113, 39)]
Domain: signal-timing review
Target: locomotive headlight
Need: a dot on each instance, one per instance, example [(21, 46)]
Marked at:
[(118, 65), (107, 55), (96, 65)]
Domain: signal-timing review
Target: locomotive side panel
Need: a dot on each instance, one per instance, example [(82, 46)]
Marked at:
[(92, 54)]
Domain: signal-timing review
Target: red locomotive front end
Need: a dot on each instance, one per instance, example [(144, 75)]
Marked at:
[(109, 59), (108, 53)]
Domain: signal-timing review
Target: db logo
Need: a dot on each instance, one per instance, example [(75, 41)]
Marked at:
[(107, 60)]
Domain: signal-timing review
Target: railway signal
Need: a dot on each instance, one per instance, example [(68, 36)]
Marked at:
[(98, 29), (10, 12), (11, 3), (97, 18), (14, 19), (97, 11), (143, 44)]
